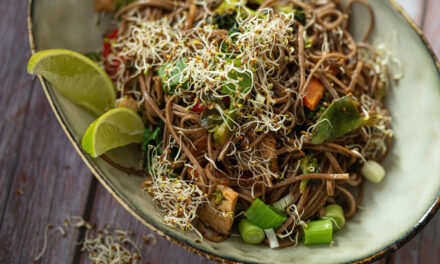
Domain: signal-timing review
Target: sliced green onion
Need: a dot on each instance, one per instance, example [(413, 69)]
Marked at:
[(373, 171), (264, 216), (282, 203), (335, 213), (272, 237), (303, 185), (308, 164), (250, 233), (318, 232)]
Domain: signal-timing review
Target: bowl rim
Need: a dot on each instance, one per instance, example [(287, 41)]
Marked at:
[(386, 251)]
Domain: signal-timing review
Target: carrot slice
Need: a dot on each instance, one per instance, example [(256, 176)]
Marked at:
[(314, 94)]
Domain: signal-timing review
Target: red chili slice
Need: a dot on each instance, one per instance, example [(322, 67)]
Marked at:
[(110, 66), (198, 108)]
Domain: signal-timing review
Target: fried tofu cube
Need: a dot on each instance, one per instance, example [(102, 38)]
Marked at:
[(219, 214), (129, 103)]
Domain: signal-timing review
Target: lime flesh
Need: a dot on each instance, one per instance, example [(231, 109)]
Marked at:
[(76, 77), (116, 128)]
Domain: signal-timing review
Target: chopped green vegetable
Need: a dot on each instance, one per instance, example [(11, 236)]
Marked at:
[(94, 56), (315, 114), (221, 133), (210, 118), (341, 117), (257, 2), (244, 85), (233, 5), (237, 92), (308, 164), (335, 213), (225, 21), (250, 233), (282, 203), (373, 171), (318, 232), (218, 197), (264, 216), (149, 136), (171, 75), (300, 15), (303, 185), (272, 237)]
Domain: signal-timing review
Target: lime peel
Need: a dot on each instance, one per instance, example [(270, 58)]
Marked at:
[(76, 77), (116, 128)]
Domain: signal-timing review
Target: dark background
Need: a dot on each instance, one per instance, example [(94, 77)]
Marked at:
[(43, 180)]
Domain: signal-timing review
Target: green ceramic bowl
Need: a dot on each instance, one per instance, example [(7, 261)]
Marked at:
[(392, 212)]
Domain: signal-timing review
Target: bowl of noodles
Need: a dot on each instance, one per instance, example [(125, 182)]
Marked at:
[(275, 131)]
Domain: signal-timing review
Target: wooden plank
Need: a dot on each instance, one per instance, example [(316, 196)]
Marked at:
[(429, 248), (40, 172), (106, 210), (431, 25), (55, 183), (414, 8), (408, 253), (423, 248), (15, 88)]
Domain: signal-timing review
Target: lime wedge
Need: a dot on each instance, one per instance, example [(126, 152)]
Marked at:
[(116, 128), (76, 77)]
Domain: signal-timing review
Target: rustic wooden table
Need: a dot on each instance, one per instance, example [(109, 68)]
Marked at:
[(42, 179)]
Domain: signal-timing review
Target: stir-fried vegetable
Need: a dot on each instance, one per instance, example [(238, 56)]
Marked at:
[(282, 203), (341, 117), (210, 118), (373, 171), (153, 138), (314, 94), (225, 21), (272, 237), (237, 92), (171, 74), (264, 216), (300, 15), (242, 88), (250, 233), (198, 107), (94, 56), (335, 213), (221, 133), (233, 5), (318, 232), (308, 164)]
